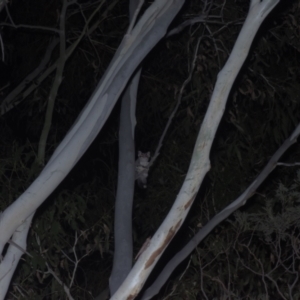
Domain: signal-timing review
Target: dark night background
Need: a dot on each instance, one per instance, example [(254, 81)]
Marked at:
[(262, 111)]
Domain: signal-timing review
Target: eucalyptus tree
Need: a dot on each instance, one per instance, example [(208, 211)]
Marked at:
[(121, 79)]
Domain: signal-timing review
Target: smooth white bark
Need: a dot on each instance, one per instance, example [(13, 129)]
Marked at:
[(135, 46), (13, 255), (123, 252), (200, 163)]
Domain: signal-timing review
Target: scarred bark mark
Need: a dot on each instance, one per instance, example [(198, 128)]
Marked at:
[(168, 238), (190, 202), (132, 296)]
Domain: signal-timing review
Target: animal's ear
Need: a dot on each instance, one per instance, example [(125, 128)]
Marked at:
[(139, 153), (148, 154)]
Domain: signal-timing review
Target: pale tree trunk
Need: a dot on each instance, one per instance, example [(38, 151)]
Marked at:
[(200, 163), (123, 251), (135, 46), (217, 219)]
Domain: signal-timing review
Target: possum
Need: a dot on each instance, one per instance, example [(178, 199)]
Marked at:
[(142, 168)]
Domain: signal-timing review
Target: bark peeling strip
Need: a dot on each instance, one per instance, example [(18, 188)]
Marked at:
[(168, 238)]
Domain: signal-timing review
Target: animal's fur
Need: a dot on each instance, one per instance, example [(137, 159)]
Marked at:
[(141, 169)]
